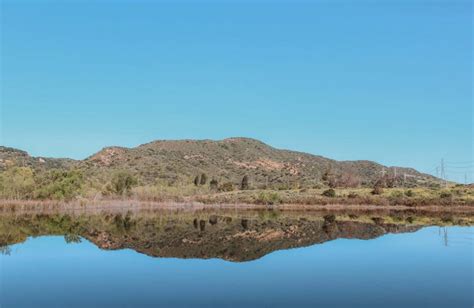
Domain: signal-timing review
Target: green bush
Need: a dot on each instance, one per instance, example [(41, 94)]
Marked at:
[(352, 195), (378, 190), (60, 185), (268, 198), (17, 183), (445, 195), (123, 182), (409, 193), (330, 193), (396, 194), (329, 218), (227, 187)]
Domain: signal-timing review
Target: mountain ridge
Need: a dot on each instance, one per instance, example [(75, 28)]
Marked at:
[(228, 159)]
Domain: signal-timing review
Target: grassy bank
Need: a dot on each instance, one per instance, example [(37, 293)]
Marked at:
[(453, 196), (200, 196)]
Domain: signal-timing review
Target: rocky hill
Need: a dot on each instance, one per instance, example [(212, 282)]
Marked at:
[(228, 236), (10, 157), (225, 160)]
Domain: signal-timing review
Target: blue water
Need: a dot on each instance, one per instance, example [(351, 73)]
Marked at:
[(421, 269)]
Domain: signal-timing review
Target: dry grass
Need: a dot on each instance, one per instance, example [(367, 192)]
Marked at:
[(363, 196), (200, 197)]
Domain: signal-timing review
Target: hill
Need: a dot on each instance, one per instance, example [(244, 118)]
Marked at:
[(228, 160)]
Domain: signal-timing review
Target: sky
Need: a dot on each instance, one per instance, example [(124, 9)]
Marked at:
[(389, 81)]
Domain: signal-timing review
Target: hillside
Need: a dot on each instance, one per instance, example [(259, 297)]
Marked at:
[(10, 157), (227, 160)]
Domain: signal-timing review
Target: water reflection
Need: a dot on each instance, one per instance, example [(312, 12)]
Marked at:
[(229, 235)]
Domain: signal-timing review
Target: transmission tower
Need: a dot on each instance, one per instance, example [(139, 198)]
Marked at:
[(443, 173)]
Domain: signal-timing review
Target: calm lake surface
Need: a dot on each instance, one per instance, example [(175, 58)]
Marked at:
[(262, 260)]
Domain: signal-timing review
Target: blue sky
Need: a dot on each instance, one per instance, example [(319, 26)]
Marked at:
[(350, 80)]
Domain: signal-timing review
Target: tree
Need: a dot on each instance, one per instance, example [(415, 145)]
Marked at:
[(59, 184), (378, 187), (72, 238), (244, 185), (17, 183), (203, 179), (329, 178), (348, 179), (331, 193), (123, 182), (213, 184)]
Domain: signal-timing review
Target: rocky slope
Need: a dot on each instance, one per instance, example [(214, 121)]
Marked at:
[(225, 160)]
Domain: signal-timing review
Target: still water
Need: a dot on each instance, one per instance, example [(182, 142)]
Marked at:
[(268, 261)]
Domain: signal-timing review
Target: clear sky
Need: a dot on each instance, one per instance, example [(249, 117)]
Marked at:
[(389, 81)]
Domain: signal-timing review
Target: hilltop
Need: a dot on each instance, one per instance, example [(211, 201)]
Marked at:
[(228, 160)]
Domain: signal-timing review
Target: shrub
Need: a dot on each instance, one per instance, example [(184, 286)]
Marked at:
[(123, 182), (348, 179), (329, 178), (447, 219), (72, 238), (378, 190), (60, 185), (5, 250), (268, 198), (17, 183), (409, 193), (197, 180), (331, 193), (396, 194), (445, 195), (329, 218), (378, 220), (352, 195), (227, 187)]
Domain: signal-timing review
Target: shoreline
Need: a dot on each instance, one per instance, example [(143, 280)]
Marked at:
[(137, 205)]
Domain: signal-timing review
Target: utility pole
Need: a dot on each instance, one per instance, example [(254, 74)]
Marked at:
[(383, 172), (395, 172), (437, 172), (443, 173)]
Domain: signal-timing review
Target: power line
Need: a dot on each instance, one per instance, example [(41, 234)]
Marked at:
[(461, 172), (460, 163)]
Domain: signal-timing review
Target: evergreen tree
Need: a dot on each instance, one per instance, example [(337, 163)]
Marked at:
[(244, 185), (213, 184), (203, 179)]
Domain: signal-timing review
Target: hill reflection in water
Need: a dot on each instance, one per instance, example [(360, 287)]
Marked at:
[(229, 235)]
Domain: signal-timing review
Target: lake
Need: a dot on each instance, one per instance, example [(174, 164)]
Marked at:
[(235, 259)]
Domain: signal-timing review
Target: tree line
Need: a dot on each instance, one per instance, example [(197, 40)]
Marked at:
[(24, 183), (201, 180)]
